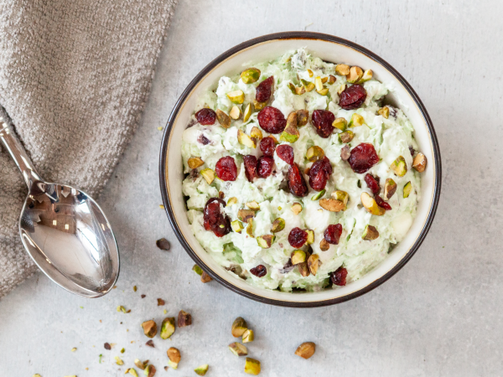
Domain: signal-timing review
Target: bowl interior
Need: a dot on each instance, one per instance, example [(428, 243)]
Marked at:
[(330, 51)]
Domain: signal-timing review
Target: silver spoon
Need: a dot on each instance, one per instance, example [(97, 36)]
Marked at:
[(64, 230)]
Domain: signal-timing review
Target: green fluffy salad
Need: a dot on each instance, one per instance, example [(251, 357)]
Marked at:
[(298, 177)]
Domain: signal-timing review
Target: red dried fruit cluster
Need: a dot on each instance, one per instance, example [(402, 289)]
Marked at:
[(297, 237), (285, 152), (206, 116), (271, 120), (259, 271), (264, 166), (296, 182), (363, 157), (322, 120), (320, 173), (226, 169), (338, 277), (258, 168), (352, 97), (381, 203), (267, 146), (372, 183), (250, 163), (215, 219), (333, 234), (263, 91)]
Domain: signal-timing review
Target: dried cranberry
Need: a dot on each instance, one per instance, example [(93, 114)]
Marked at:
[(267, 146), (271, 120), (338, 277), (296, 182), (333, 233), (206, 116), (412, 151), (215, 219), (372, 183), (259, 271), (264, 166), (250, 163), (352, 97), (322, 120), (363, 157), (226, 169), (264, 90), (285, 152), (320, 173), (381, 203), (297, 237)]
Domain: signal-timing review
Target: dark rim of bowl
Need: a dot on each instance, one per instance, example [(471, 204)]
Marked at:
[(297, 35)]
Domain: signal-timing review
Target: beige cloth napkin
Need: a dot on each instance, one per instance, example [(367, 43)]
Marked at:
[(74, 79)]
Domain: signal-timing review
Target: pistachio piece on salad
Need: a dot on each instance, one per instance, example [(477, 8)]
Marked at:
[(298, 256), (399, 166), (315, 153), (236, 96), (322, 92), (367, 75), (342, 69), (419, 162), (384, 112), (249, 228), (202, 369), (290, 134), (310, 236), (313, 262), (174, 357), (302, 117), (248, 336), (278, 225), (238, 349), (371, 205), (296, 208), (343, 196), (303, 269), (318, 195), (239, 326), (248, 112), (250, 75), (310, 73), (389, 188), (245, 214), (259, 105), (345, 152), (195, 162), (324, 245), (256, 134), (232, 201), (318, 83), (252, 366), (266, 241), (356, 120), (149, 328), (355, 74), (341, 89), (208, 175), (297, 90), (407, 189), (332, 205), (346, 136), (184, 319), (235, 113), (308, 85), (253, 205), (223, 119), (245, 140), (237, 226), (340, 123), (370, 233), (331, 79), (306, 350), (168, 325)]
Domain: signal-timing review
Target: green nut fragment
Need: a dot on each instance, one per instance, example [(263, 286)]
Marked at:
[(253, 205), (291, 133), (237, 226), (332, 205), (367, 75), (249, 228), (236, 96), (331, 79), (419, 162), (340, 123), (355, 74), (318, 195), (174, 357), (141, 364), (252, 366), (235, 113), (342, 69), (356, 120), (195, 162), (318, 83), (370, 233), (303, 269), (202, 369), (238, 349), (407, 190), (306, 350), (313, 262), (399, 166), (246, 140), (309, 86), (324, 245), (384, 112), (389, 188), (297, 90), (256, 134), (248, 112), (310, 73), (259, 105), (149, 328), (315, 153), (248, 336), (296, 208), (341, 89), (239, 327), (208, 175), (245, 214), (118, 361), (168, 324), (343, 196), (298, 256), (132, 371), (302, 117), (37, 375), (232, 201), (223, 119), (371, 205), (266, 241), (278, 225), (184, 318), (322, 92), (310, 236), (346, 136), (250, 75), (149, 371)]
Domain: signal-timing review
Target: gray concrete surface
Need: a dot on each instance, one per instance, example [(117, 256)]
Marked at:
[(439, 316)]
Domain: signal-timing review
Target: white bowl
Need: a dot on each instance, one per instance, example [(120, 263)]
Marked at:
[(329, 48)]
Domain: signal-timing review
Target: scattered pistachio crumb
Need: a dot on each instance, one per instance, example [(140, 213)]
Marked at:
[(37, 375), (74, 349), (135, 288), (160, 128), (161, 206), (123, 350), (101, 355), (165, 311), (118, 361), (82, 307)]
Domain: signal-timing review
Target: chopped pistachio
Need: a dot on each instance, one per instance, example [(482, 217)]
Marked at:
[(118, 361), (202, 369), (313, 262), (342, 69), (74, 349), (341, 89), (198, 270), (370, 233), (340, 123), (302, 117), (250, 75), (237, 226), (367, 75), (278, 225), (235, 113), (168, 326), (331, 79), (150, 371), (253, 205), (371, 205), (37, 375), (232, 201), (236, 96), (135, 288), (324, 245), (249, 228), (332, 205), (223, 119), (355, 74), (123, 350), (208, 175), (407, 189), (310, 236), (310, 73), (315, 153), (256, 134), (399, 166), (306, 350), (245, 214), (184, 319), (248, 336), (356, 120), (343, 196), (346, 136), (239, 326), (248, 112), (266, 241), (195, 162), (238, 349), (419, 162), (252, 366), (318, 195), (291, 133), (259, 105), (308, 85), (303, 269), (245, 140), (297, 90), (149, 328), (132, 371), (296, 208), (389, 188), (345, 153), (384, 112), (174, 357), (323, 91), (150, 343), (298, 256), (318, 83), (140, 364), (205, 278)]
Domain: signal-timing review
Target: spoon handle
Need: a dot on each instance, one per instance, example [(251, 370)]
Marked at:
[(18, 154)]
